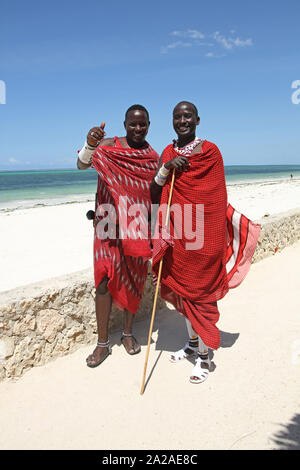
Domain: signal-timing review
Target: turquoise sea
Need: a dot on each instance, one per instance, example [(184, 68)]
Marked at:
[(21, 189)]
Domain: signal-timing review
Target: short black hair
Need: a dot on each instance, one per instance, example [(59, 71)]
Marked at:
[(188, 102), (138, 107)]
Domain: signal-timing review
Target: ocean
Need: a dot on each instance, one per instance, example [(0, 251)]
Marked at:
[(24, 189)]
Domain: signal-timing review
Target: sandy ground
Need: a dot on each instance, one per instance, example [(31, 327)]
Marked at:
[(255, 200), (250, 400), (44, 242)]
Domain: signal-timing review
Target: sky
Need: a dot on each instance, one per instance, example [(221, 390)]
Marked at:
[(66, 66)]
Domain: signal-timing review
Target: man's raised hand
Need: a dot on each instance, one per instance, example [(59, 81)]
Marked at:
[(95, 135)]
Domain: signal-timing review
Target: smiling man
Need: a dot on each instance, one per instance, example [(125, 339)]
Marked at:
[(195, 276), (125, 167)]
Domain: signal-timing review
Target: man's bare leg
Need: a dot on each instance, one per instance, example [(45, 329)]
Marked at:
[(103, 302)]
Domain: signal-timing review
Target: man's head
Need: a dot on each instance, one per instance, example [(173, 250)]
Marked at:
[(185, 120), (136, 124)]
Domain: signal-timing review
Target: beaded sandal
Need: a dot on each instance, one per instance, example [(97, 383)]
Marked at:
[(92, 357), (133, 343)]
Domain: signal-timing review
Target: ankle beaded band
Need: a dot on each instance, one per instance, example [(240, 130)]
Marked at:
[(103, 345)]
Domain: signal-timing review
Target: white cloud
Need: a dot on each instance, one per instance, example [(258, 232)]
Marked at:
[(201, 43), (13, 161), (194, 34), (240, 42), (176, 33), (173, 45), (190, 33), (196, 37), (230, 43)]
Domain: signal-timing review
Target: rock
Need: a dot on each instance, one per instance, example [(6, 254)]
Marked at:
[(13, 369), (24, 352), (2, 373), (5, 327), (21, 326), (7, 346), (72, 311), (49, 323), (75, 331)]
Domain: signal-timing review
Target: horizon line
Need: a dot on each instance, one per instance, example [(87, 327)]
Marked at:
[(70, 169)]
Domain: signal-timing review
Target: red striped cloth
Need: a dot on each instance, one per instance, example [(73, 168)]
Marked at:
[(242, 237), (193, 280), (123, 173)]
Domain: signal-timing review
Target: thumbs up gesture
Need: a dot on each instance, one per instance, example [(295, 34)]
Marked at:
[(95, 135)]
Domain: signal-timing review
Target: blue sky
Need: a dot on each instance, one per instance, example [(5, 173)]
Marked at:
[(68, 65)]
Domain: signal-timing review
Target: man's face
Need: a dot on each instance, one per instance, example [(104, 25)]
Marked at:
[(136, 125), (185, 120)]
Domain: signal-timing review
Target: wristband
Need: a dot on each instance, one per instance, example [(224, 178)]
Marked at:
[(160, 180), (86, 153), (163, 171)]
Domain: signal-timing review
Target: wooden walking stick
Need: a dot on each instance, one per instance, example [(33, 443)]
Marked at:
[(157, 287)]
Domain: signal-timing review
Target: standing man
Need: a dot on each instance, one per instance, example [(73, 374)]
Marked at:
[(214, 250), (125, 167)]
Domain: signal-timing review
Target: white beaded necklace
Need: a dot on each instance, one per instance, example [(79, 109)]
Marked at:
[(187, 149)]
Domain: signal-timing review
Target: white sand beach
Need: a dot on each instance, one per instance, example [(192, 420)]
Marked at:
[(250, 400), (44, 242)]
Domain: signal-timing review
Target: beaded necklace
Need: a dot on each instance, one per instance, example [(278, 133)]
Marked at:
[(187, 149)]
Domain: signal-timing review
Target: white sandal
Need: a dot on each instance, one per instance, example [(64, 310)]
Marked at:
[(185, 352), (200, 371)]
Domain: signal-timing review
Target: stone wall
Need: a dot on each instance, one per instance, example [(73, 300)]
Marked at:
[(277, 232), (52, 318)]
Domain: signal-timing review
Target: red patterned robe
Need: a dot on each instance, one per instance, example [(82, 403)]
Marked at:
[(124, 174), (193, 280)]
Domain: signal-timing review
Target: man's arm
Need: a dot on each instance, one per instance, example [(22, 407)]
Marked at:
[(155, 189), (84, 159), (159, 180)]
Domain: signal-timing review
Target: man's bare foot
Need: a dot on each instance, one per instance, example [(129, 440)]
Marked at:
[(130, 344)]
